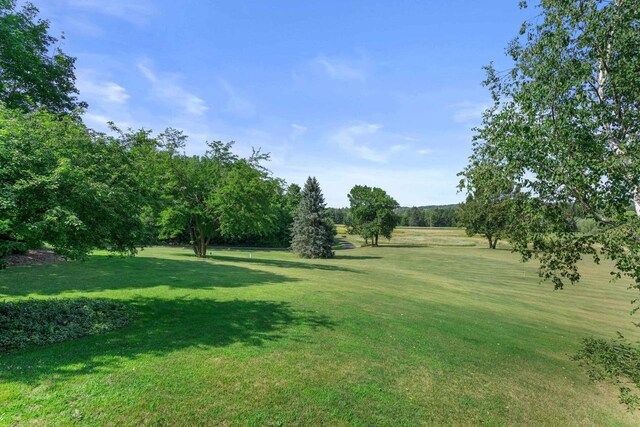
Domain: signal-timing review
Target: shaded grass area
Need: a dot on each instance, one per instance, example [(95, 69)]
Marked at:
[(376, 336)]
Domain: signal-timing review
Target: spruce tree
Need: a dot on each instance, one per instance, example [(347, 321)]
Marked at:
[(312, 230)]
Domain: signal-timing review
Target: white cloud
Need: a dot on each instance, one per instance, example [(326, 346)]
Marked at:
[(236, 103), (361, 139), (297, 131), (424, 151), (469, 112), (134, 11), (166, 88), (347, 139), (340, 69), (100, 91)]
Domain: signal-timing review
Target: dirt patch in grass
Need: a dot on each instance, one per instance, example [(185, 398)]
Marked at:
[(34, 257)]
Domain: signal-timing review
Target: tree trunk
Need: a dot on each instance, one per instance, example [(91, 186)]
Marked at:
[(495, 242), (194, 246), (490, 239), (200, 244), (615, 145)]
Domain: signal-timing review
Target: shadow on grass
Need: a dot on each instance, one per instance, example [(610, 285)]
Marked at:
[(425, 245), (102, 273), (162, 326), (356, 257), (284, 264)]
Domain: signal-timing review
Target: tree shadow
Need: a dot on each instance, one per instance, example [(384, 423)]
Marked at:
[(356, 257), (284, 264), (161, 326), (101, 273)]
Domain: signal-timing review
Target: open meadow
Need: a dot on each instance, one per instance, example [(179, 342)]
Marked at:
[(439, 334)]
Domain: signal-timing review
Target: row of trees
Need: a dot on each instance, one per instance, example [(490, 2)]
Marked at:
[(437, 216), (75, 189), (371, 215), (445, 216)]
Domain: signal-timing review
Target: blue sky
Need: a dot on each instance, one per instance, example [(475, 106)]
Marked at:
[(379, 93)]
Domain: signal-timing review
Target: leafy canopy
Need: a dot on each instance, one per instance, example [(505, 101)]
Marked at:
[(372, 213), (489, 207), (65, 185), (33, 73), (566, 125)]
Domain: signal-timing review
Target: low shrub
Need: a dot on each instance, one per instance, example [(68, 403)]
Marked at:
[(615, 360), (37, 322)]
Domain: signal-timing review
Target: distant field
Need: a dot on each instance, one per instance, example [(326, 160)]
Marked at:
[(439, 330), (423, 236)]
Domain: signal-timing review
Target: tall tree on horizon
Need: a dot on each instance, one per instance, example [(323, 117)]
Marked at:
[(312, 229)]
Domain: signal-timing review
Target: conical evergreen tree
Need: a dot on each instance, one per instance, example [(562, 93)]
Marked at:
[(312, 230)]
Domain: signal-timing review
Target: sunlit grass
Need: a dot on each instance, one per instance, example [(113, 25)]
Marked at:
[(435, 334)]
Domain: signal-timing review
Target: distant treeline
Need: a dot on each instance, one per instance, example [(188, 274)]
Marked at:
[(423, 216)]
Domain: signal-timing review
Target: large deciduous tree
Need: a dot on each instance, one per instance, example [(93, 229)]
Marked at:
[(372, 213), (33, 72), (216, 194), (62, 184), (566, 124), (312, 230)]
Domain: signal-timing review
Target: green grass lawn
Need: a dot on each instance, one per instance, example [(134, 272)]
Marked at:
[(439, 334)]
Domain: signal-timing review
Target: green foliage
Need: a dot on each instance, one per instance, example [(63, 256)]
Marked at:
[(201, 198), (312, 230), (489, 208), (566, 125), (372, 213), (339, 215), (36, 322), (441, 217), (587, 225), (66, 186), (245, 201), (31, 76), (614, 360)]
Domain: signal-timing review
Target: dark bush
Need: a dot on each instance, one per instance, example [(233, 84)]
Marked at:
[(36, 322)]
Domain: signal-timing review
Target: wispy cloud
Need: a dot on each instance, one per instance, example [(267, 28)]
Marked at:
[(424, 151), (167, 88), (134, 11), (341, 69), (99, 90), (469, 112), (348, 138), (236, 103), (297, 131), (358, 139)]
